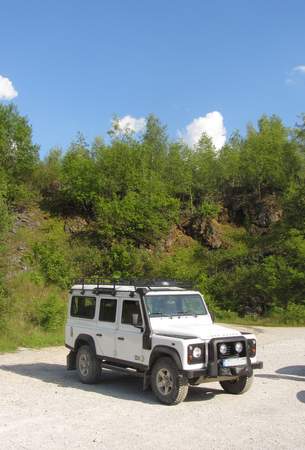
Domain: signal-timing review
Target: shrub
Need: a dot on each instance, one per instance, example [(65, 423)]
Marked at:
[(22, 196), (53, 263), (292, 315), (50, 312), (53, 254), (4, 213), (209, 210)]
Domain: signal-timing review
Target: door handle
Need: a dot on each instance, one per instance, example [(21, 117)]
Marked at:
[(121, 338), (99, 334)]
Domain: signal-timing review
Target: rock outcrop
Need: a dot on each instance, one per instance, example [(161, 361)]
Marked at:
[(205, 230), (257, 214)]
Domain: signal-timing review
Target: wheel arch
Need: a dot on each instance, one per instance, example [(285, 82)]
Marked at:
[(163, 350), (84, 339)]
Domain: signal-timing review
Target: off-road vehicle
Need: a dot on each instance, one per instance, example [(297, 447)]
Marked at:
[(163, 333)]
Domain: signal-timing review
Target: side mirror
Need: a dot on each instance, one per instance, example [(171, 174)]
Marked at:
[(212, 314)]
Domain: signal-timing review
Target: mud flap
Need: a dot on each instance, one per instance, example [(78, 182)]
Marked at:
[(71, 360), (146, 381)]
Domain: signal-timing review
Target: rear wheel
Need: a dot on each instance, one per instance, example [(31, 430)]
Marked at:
[(239, 386), (88, 368), (168, 385)]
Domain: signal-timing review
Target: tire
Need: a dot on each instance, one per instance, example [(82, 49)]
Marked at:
[(167, 384), (236, 387), (87, 366)]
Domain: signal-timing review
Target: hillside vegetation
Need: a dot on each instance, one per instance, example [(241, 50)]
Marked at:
[(232, 222)]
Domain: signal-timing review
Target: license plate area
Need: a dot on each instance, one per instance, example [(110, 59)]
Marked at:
[(234, 362)]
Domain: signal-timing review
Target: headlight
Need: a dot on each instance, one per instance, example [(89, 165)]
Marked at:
[(238, 347), (197, 352), (223, 349)]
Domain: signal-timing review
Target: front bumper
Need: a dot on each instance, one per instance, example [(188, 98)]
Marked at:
[(215, 371)]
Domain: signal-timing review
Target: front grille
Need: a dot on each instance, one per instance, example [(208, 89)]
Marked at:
[(231, 352)]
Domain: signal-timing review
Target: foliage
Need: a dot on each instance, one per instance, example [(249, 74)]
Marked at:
[(49, 313), (133, 201), (52, 255), (4, 212), (140, 218), (268, 158), (209, 210), (294, 205), (18, 156)]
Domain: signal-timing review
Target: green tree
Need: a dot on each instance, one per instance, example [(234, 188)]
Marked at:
[(205, 168), (78, 179), (141, 218), (294, 205), (299, 133), (18, 155), (155, 141), (268, 160), (230, 174), (178, 173)]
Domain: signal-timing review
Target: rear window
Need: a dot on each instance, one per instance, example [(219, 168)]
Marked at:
[(83, 307), (107, 310)]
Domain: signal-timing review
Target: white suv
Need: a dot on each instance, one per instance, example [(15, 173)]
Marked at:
[(163, 333)]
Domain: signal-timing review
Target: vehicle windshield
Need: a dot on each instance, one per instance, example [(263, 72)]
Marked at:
[(175, 305)]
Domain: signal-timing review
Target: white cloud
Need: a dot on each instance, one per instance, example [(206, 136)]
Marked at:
[(299, 69), (296, 75), (129, 123), (211, 124), (7, 90)]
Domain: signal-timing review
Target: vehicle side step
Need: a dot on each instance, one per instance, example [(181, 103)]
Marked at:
[(125, 370)]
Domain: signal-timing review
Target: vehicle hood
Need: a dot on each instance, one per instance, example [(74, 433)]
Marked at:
[(196, 330)]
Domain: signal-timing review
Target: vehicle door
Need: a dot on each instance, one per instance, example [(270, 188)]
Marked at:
[(129, 337), (106, 327)]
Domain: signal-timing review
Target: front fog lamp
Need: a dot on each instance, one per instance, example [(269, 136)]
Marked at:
[(223, 349), (238, 347)]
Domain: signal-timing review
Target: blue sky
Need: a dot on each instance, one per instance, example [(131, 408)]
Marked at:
[(77, 63)]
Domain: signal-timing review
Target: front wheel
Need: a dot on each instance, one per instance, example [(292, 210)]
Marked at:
[(239, 386), (168, 385), (88, 368)]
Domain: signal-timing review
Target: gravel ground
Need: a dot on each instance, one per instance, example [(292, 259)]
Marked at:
[(42, 406)]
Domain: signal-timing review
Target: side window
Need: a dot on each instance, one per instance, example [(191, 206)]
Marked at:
[(83, 307), (107, 310), (131, 307)]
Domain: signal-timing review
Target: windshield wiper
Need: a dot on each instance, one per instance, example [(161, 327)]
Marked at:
[(160, 314), (185, 313)]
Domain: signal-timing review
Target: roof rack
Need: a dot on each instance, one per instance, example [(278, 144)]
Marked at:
[(107, 286)]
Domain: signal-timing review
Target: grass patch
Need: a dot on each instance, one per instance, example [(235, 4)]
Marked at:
[(292, 316), (34, 337), (34, 313)]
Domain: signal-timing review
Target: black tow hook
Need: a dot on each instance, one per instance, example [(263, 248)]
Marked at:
[(257, 365)]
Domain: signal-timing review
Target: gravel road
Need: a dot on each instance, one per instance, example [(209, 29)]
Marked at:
[(42, 406)]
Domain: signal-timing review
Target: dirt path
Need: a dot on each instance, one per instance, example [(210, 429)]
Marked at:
[(42, 406)]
